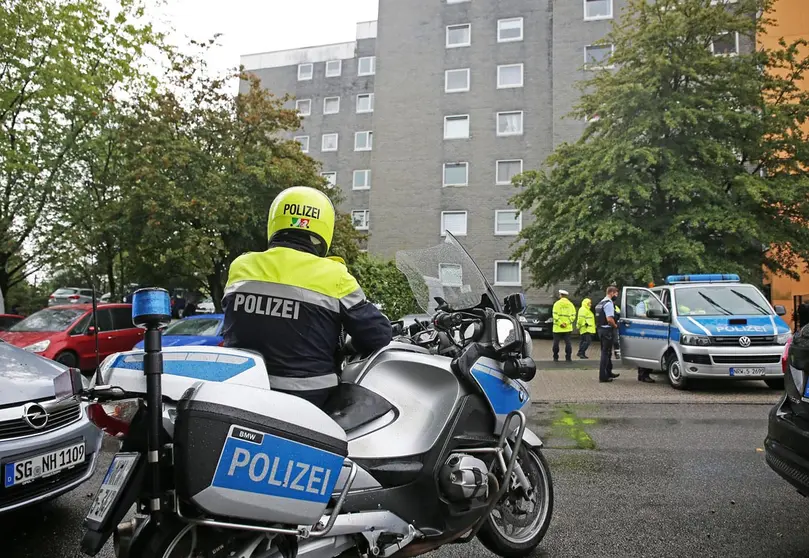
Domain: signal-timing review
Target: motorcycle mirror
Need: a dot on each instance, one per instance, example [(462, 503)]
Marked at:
[(508, 333), (68, 383), (515, 304)]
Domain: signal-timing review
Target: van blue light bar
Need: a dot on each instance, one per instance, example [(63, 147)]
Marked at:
[(704, 278)]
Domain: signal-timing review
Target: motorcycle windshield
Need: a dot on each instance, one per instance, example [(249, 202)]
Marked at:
[(446, 271)]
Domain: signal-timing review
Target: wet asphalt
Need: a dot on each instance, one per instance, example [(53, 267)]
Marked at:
[(630, 480)]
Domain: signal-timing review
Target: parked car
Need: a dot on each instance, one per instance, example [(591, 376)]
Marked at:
[(205, 329), (48, 446), (8, 320), (538, 320), (70, 295), (206, 307), (66, 333), (787, 444)]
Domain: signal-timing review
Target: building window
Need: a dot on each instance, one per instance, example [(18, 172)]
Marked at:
[(726, 45), (456, 81), (507, 170), (329, 142), (365, 102), (305, 71), (362, 180), (509, 30), (454, 222), (456, 127), (304, 107), (450, 275), (597, 9), (304, 142), (459, 35), (597, 56), (456, 174), (507, 222), (509, 75), (507, 274), (331, 177), (367, 66), (509, 123), (361, 219), (331, 105), (363, 141), (334, 68)]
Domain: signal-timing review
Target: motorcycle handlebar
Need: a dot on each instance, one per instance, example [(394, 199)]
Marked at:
[(447, 321)]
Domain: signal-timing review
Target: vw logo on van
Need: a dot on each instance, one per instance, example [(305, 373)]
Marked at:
[(744, 341), (35, 415)]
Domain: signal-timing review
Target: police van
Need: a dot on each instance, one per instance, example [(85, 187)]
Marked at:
[(703, 326)]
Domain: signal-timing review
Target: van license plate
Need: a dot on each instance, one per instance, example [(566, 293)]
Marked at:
[(113, 483), (43, 465), (759, 371)]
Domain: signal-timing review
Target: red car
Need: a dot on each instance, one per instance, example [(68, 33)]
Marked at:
[(65, 333)]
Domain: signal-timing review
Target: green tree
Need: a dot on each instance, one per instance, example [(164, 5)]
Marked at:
[(385, 285), (60, 64), (695, 164)]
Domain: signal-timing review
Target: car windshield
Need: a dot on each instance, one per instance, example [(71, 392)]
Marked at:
[(721, 300), (539, 311), (204, 327), (49, 320)]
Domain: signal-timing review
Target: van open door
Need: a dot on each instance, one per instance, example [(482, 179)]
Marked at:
[(643, 328)]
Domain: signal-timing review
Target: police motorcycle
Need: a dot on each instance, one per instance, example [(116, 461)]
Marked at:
[(416, 451)]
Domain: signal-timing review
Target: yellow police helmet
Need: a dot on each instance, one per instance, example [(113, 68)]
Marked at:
[(305, 210)]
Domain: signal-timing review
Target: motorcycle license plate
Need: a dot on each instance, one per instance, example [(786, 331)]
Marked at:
[(43, 465), (758, 371), (114, 481)]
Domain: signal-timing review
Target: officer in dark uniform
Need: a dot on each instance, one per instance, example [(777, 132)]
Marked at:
[(290, 302), (607, 326)]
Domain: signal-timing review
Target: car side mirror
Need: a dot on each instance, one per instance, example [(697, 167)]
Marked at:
[(658, 314), (780, 310), (91, 330)]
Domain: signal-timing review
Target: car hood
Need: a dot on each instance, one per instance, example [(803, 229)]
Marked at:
[(186, 340), (24, 376), (733, 325), (25, 338)]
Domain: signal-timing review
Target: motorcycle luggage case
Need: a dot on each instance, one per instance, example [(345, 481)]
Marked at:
[(255, 454)]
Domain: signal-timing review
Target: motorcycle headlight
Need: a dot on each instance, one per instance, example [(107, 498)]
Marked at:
[(698, 340), (782, 338), (38, 347)]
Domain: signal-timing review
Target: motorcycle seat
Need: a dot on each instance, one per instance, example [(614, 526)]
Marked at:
[(351, 406)]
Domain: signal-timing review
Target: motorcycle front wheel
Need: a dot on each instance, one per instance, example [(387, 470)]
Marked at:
[(520, 520), (171, 540)]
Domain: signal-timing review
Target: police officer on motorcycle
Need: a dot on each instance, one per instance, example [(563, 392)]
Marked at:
[(290, 302)]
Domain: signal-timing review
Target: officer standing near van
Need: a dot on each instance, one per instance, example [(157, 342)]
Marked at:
[(607, 326)]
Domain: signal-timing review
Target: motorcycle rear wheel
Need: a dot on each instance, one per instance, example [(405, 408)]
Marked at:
[(511, 532)]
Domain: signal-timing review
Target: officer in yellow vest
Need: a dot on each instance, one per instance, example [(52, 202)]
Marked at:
[(564, 314), (586, 324)]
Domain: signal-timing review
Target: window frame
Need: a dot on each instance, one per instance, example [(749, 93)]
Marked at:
[(441, 278), (336, 142), (519, 221), (367, 179), (497, 170), (339, 68), (468, 80), (298, 110), (326, 174), (297, 138), (357, 105), (444, 174), (367, 219), (592, 68), (518, 283), (459, 45), (736, 53), (598, 18), (455, 212), (311, 71), (458, 117), (522, 29), (370, 140), (522, 75), (507, 134), (326, 100), (373, 66)]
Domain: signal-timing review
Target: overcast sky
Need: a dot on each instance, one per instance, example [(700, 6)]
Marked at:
[(251, 26)]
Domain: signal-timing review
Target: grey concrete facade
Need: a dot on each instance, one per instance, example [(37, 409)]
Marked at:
[(408, 197)]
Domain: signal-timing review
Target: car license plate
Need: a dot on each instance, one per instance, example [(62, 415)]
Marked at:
[(43, 465), (535, 329), (758, 371), (114, 481)]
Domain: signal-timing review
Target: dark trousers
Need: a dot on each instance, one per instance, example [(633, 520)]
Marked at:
[(568, 346), (584, 343), (605, 366)]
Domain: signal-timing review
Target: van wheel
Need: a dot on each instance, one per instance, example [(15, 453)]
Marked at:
[(68, 358), (675, 372), (775, 383)]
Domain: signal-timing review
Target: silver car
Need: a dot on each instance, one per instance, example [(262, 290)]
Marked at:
[(47, 446), (70, 295)]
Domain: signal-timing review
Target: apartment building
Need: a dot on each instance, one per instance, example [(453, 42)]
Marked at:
[(424, 119)]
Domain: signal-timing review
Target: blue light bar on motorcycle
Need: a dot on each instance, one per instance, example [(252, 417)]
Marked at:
[(151, 306), (704, 278)]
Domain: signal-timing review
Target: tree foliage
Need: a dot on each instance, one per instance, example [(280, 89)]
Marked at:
[(695, 164), (385, 285)]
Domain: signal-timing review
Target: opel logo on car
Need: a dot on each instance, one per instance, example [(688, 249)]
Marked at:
[(744, 341), (35, 415)]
